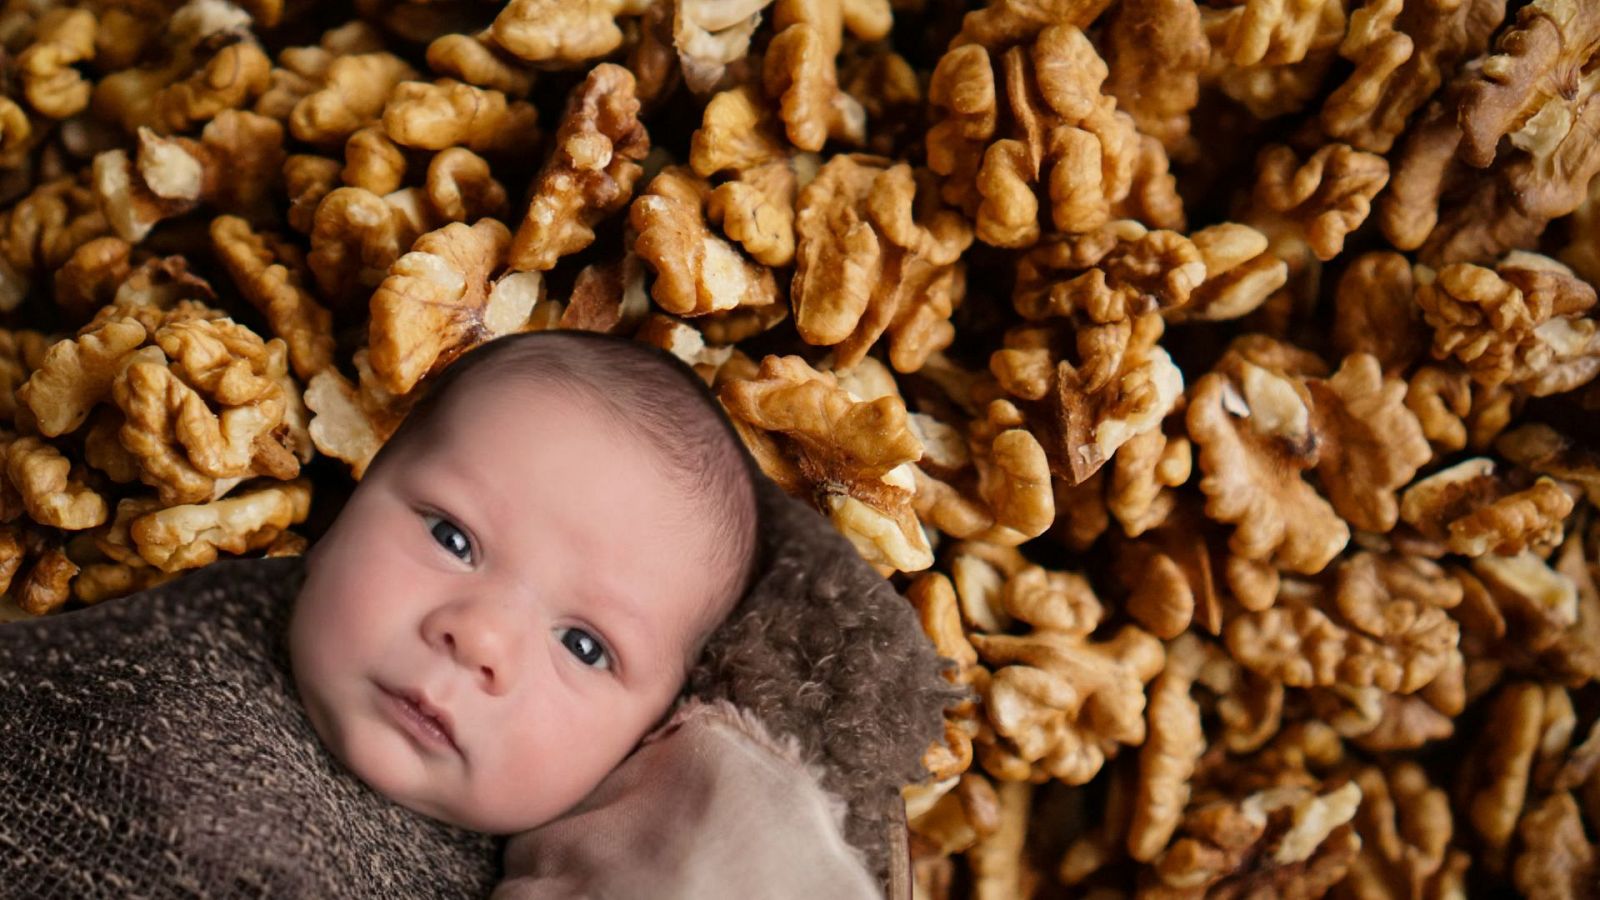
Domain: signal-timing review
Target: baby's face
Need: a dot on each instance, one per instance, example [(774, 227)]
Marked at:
[(529, 574)]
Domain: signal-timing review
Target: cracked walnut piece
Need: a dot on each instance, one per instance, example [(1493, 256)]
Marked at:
[(590, 173)]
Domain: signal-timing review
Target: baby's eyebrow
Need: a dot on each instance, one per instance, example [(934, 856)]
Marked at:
[(608, 596)]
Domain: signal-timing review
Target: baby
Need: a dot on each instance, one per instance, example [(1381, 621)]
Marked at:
[(513, 595), (509, 601)]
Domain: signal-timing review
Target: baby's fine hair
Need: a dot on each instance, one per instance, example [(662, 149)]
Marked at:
[(649, 392)]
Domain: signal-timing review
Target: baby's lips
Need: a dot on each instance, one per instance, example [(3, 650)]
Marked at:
[(437, 713)]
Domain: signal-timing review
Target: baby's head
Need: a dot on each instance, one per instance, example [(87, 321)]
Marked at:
[(540, 551)]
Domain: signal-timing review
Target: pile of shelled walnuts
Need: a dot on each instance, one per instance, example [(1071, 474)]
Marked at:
[(1296, 599)]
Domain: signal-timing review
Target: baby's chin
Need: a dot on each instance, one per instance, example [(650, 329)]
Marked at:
[(404, 779)]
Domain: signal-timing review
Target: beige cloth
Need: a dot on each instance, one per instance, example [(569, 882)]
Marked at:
[(708, 806)]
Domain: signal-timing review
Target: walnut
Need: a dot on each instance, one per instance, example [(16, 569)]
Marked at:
[(1558, 860), (756, 208), (995, 489), (447, 112), (211, 63), (1377, 720), (354, 91), (1170, 752), (352, 422), (736, 133), (231, 167), (1124, 385), (611, 297), (1275, 840), (1375, 312), (958, 818), (853, 457), (1011, 21), (1169, 577), (1542, 449), (1271, 57), (1425, 171), (1455, 411), (307, 179), (301, 71), (1400, 647), (1535, 616), (355, 236), (1520, 323), (134, 205), (709, 36), (697, 271), (876, 253), (1156, 50), (1541, 57), (1372, 444), (189, 536), (1241, 273), (1148, 466), (547, 31), (1509, 524), (1582, 251), (1534, 95), (18, 137), (1403, 50), (52, 486), (47, 584), (477, 60), (589, 175), (77, 373), (460, 188), (62, 37), (1253, 427), (1523, 717), (1307, 209), (183, 449), (1141, 271), (1068, 136), (1476, 512), (98, 582), (41, 232), (374, 162), (963, 104), (979, 571), (934, 598), (798, 73), (1060, 703), (1405, 826), (1000, 867), (890, 93), (1273, 34), (271, 274), (89, 278), (441, 300)]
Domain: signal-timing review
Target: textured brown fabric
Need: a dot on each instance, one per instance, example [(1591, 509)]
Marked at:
[(825, 650), (154, 746), (710, 807)]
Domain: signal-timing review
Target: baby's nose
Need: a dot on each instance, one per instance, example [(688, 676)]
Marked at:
[(482, 643), (486, 672)]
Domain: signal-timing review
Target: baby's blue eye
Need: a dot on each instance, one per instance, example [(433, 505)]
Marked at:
[(444, 531), (585, 647)]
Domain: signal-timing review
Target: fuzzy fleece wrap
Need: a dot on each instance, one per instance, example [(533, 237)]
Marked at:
[(154, 746), (824, 650), (711, 806)]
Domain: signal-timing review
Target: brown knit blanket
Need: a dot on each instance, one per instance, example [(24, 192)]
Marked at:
[(154, 746)]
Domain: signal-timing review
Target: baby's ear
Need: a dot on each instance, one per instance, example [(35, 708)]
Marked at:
[(823, 648)]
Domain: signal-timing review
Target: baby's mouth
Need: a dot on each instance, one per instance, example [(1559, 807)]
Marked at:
[(433, 722)]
